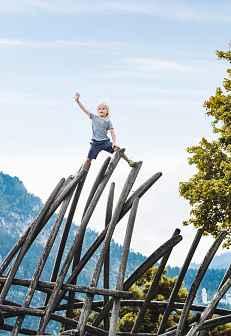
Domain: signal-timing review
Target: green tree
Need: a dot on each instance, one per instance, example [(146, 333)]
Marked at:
[(209, 190), (152, 316)]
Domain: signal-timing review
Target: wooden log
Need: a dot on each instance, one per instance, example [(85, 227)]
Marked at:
[(96, 183), (106, 269), (98, 180), (7, 260), (24, 331), (41, 262), (90, 330), (122, 267), (136, 334), (66, 230), (35, 312), (153, 289), (61, 196), (44, 286), (226, 276), (196, 283), (215, 322), (140, 192), (150, 261), (160, 305), (212, 305), (179, 281), (93, 331), (63, 193), (95, 277), (36, 227), (207, 325), (78, 241)]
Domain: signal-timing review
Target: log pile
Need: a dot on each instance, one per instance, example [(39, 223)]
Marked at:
[(60, 290)]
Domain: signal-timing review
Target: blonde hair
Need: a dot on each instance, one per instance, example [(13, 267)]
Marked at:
[(105, 105)]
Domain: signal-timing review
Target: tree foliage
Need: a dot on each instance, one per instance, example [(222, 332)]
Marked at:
[(209, 190), (152, 316)]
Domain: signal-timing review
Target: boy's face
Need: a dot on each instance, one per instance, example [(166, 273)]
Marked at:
[(102, 110)]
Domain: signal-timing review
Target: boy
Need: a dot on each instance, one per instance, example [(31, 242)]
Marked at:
[(101, 124)]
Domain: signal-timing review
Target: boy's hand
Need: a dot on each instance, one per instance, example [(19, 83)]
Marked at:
[(77, 96), (115, 147)]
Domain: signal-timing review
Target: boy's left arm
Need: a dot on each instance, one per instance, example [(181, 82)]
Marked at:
[(113, 136)]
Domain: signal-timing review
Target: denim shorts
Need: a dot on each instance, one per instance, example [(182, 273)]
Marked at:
[(98, 146)]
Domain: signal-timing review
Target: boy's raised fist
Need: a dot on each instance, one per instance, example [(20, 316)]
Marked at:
[(77, 96)]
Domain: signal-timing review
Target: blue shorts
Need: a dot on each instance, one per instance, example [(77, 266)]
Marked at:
[(98, 146)]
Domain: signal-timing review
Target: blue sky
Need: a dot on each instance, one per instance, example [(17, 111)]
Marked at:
[(154, 63)]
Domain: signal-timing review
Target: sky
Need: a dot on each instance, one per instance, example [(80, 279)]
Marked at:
[(153, 62)]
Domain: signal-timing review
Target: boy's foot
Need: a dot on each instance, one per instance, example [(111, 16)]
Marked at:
[(132, 163), (116, 148)]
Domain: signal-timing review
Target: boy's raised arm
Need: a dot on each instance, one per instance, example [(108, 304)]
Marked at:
[(76, 98)]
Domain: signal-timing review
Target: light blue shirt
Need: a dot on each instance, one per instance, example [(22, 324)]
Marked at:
[(100, 126)]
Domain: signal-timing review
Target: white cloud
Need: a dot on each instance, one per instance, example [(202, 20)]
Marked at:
[(169, 9), (7, 42), (155, 64), (146, 67)]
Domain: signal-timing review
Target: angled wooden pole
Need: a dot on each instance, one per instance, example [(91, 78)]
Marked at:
[(122, 267), (41, 262), (95, 277), (7, 260), (215, 322), (179, 281), (106, 269), (36, 227), (210, 308), (149, 262), (153, 289), (196, 283), (227, 275), (96, 183)]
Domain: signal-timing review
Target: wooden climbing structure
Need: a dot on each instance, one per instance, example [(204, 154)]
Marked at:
[(60, 299)]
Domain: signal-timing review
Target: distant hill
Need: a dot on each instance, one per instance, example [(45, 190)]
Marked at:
[(211, 280), (221, 261)]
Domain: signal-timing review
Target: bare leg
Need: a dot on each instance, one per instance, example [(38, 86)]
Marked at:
[(87, 164)]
